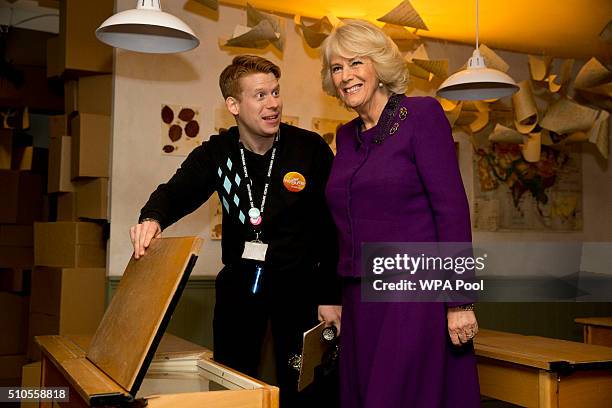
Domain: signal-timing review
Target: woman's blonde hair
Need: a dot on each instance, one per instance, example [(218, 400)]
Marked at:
[(359, 38)]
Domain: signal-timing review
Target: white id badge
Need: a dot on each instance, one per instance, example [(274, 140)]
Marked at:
[(255, 250)]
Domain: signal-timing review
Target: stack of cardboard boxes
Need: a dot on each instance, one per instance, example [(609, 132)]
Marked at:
[(21, 204), (68, 286)]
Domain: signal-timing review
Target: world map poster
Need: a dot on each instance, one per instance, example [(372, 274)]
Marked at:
[(512, 194)]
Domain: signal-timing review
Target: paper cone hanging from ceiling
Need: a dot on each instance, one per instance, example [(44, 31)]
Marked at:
[(531, 147), (538, 67), (525, 110), (438, 68), (403, 38), (211, 4), (404, 15), (566, 116), (474, 116), (492, 60), (316, 33), (251, 37), (592, 75), (599, 133), (255, 17), (503, 134), (453, 114)]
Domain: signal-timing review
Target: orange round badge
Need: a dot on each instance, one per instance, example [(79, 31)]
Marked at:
[(294, 181)]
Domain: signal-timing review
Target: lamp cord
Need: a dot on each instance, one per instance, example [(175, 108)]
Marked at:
[(476, 24)]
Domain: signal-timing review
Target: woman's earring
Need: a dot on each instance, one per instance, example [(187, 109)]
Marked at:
[(380, 84)]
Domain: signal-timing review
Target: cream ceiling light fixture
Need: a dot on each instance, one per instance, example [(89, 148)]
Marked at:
[(147, 29), (477, 82)]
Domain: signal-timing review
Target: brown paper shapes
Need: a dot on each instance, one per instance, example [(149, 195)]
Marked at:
[(404, 15), (566, 116), (316, 33), (261, 29), (525, 110)]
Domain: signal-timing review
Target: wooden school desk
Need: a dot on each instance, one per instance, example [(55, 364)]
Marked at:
[(122, 365), (534, 371), (597, 330)]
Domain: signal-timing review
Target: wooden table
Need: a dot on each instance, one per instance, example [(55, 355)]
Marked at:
[(534, 371), (597, 330)]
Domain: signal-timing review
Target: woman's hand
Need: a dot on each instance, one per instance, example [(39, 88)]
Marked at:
[(462, 325), (331, 314), (142, 234)]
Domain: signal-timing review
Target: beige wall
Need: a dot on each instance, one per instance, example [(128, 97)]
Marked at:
[(144, 82)]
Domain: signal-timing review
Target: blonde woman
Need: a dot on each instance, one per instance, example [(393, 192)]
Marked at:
[(395, 179)]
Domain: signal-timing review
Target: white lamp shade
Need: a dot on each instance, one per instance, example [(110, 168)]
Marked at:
[(147, 30), (477, 82)]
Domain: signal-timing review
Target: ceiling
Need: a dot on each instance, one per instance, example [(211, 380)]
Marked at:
[(562, 28)]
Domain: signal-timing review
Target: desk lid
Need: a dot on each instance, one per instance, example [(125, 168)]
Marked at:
[(541, 352), (133, 325)]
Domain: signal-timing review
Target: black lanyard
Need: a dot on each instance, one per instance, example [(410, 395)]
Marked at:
[(256, 214)]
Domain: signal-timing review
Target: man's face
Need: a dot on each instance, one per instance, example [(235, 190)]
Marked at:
[(259, 108)]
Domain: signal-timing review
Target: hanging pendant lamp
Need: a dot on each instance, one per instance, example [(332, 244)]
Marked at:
[(147, 29), (477, 82)]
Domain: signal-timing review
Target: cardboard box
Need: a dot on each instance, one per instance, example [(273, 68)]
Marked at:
[(30, 377), (21, 201), (90, 145), (69, 244), (80, 50), (59, 180), (55, 57), (13, 323), (16, 280), (65, 301), (92, 199), (6, 148), (95, 94), (66, 207), (71, 98), (30, 158), (17, 235), (16, 257), (10, 370), (58, 126)]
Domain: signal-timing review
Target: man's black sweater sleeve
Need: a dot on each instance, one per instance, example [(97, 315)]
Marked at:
[(192, 184), (329, 289)]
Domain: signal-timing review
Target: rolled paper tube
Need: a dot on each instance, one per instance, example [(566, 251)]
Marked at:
[(532, 147), (503, 134), (525, 110), (539, 67), (453, 115), (447, 104), (546, 139), (556, 82)]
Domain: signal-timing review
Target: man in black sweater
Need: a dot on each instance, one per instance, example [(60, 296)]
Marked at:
[(278, 243)]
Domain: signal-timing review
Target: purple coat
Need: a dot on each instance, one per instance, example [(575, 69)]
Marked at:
[(406, 189)]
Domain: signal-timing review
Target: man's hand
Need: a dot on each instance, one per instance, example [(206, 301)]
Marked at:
[(142, 234), (462, 325), (330, 314)]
